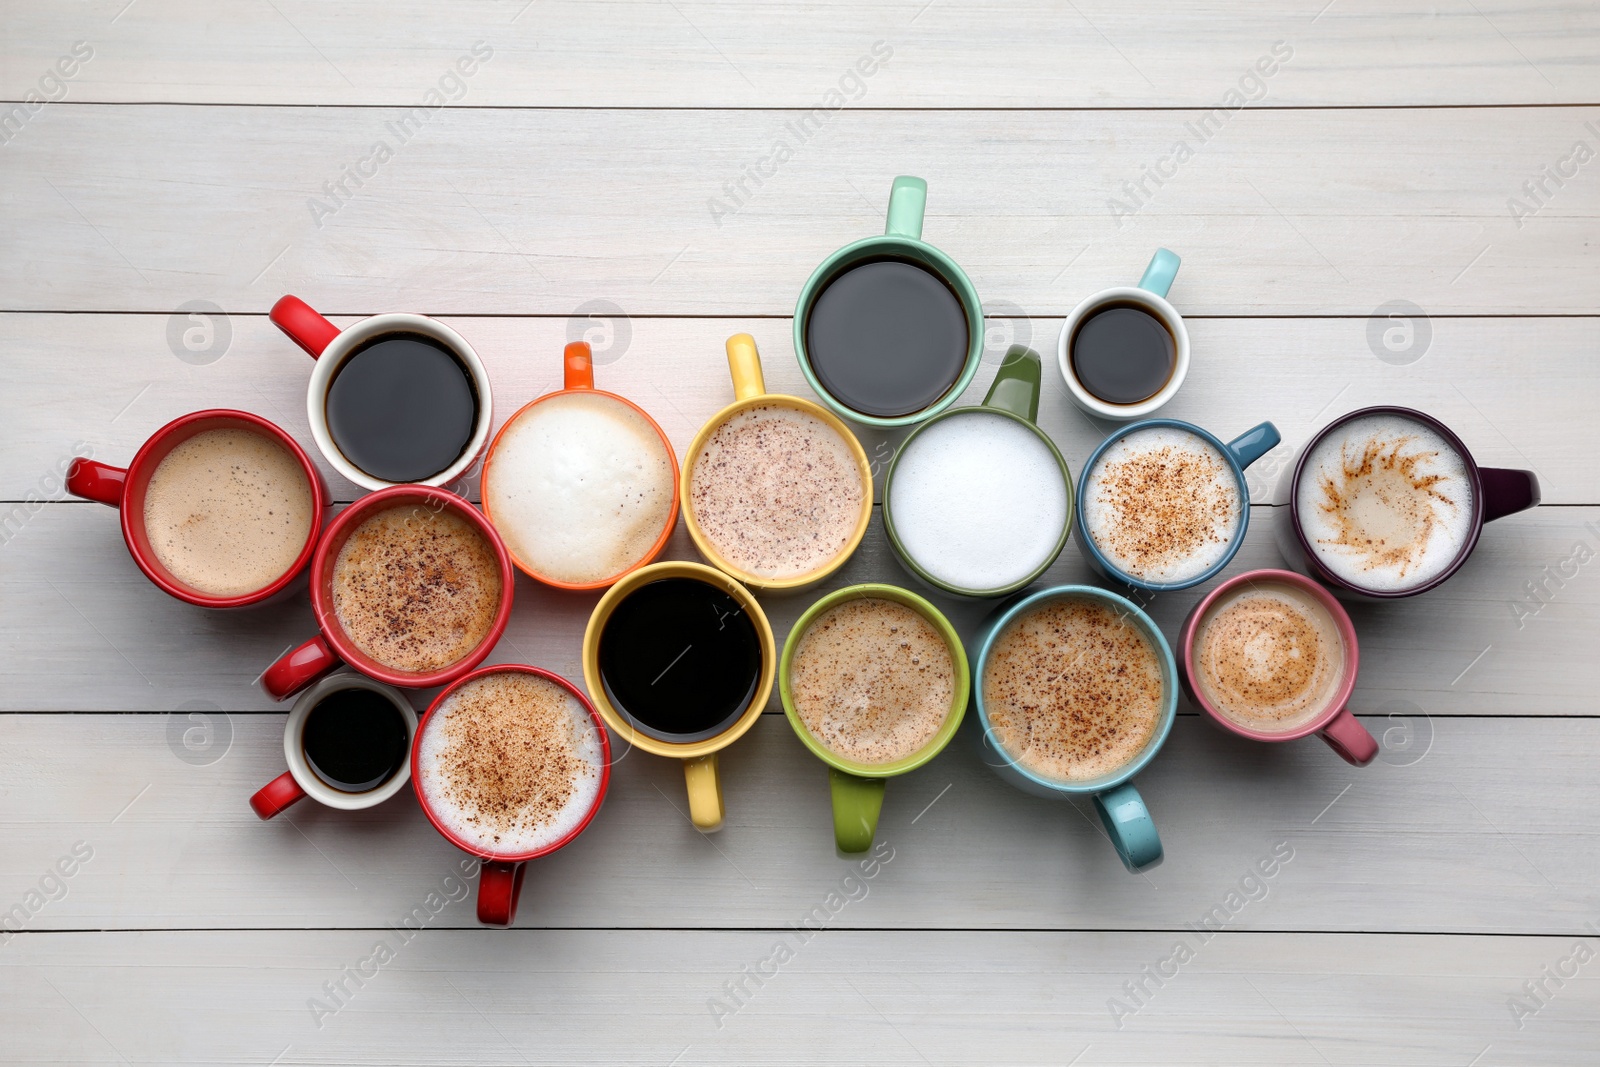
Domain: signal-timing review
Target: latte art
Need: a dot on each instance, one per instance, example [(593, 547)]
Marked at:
[(1268, 657)]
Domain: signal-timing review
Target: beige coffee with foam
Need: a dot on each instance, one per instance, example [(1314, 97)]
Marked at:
[(776, 491), (228, 511), (872, 680), (1268, 656)]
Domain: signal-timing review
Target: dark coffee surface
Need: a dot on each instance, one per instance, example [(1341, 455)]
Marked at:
[(1123, 354), (402, 407), (355, 740)]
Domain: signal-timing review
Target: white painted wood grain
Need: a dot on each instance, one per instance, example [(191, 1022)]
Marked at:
[(514, 211)]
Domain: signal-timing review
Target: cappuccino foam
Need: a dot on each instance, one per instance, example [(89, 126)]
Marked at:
[(776, 491), (580, 487), (872, 680), (1073, 690), (978, 501), (1268, 656), (510, 763), (1386, 502), (228, 511), (1162, 504)]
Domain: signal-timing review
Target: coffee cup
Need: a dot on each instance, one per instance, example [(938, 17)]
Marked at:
[(1163, 505), (414, 408), (243, 552), (1387, 502), (582, 484), (680, 659), (978, 500), (414, 543), (1106, 661), (484, 792), (775, 491), (1124, 351), (347, 743), (889, 330), (1272, 656), (884, 634)]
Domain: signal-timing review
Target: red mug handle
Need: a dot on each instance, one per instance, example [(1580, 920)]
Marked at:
[(298, 668), (99, 482), (499, 889), (304, 326), (277, 795), (578, 366), (1346, 736)]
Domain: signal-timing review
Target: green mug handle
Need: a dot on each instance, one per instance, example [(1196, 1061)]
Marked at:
[(1159, 274), (908, 197), (856, 804), (1016, 384)]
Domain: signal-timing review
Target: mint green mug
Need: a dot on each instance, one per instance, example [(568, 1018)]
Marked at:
[(857, 787), (901, 242)]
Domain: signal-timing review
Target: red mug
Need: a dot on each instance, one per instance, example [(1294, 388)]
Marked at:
[(301, 666), (1334, 723), (500, 875), (124, 489)]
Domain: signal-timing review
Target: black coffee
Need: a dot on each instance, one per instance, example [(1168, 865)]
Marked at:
[(355, 740), (680, 659), (887, 337), (402, 407), (1123, 354)]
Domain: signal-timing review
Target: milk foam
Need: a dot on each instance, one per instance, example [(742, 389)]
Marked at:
[(1268, 656), (580, 487), (511, 763), (1386, 502), (978, 501), (1162, 504)]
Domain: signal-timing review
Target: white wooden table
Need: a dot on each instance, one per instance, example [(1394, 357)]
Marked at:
[(1440, 907)]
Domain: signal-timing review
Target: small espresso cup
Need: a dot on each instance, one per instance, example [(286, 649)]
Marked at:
[(1150, 296), (301, 779), (125, 490), (1333, 722), (332, 646), (857, 787), (1496, 492), (1013, 396), (500, 874), (331, 347), (1238, 453), (666, 649), (750, 392), (1121, 809), (578, 367), (901, 241)]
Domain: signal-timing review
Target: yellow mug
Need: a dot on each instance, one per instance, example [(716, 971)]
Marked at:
[(750, 391), (697, 751)]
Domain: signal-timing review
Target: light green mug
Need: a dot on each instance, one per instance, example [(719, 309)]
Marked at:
[(857, 788)]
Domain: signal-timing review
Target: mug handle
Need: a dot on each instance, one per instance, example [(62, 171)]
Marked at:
[(856, 804), (705, 793), (1253, 444), (744, 364), (1159, 274), (277, 795), (304, 326), (1352, 741), (99, 482), (1016, 384), (1506, 492), (577, 366), (298, 668), (1128, 824), (908, 198), (499, 889)]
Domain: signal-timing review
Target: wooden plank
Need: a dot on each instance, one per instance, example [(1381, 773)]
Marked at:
[(635, 54), (489, 997), (522, 211), (175, 845)]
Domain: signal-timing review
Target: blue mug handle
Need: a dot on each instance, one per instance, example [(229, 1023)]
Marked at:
[(1253, 444), (1128, 824), (908, 198), (1159, 274)]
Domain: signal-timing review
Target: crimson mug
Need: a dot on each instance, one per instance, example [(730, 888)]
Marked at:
[(333, 645), (126, 490)]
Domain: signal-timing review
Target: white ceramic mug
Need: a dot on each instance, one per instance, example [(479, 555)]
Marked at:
[(1151, 295)]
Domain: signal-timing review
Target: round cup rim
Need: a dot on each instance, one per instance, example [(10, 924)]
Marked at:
[(294, 753), (1124, 412)]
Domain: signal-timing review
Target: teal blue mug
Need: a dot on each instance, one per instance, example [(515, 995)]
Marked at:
[(1122, 810)]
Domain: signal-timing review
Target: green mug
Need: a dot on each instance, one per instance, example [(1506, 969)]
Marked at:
[(901, 240), (857, 788)]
